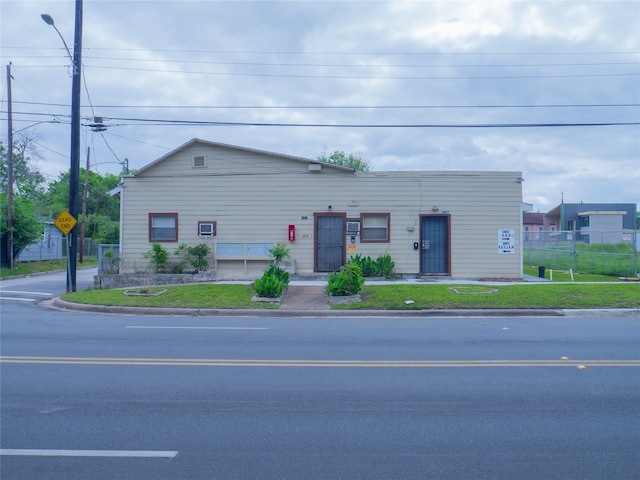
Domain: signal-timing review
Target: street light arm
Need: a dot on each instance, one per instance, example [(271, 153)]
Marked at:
[(49, 21)]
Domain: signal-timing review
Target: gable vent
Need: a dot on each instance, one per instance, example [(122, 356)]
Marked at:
[(199, 161)]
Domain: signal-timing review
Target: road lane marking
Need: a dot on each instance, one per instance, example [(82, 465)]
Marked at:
[(222, 362), (24, 292), (87, 453), (195, 328), (18, 299)]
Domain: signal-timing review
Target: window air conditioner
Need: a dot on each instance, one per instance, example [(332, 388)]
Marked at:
[(206, 229), (353, 226)]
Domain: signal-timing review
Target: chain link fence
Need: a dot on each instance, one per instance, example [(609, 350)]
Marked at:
[(49, 247), (613, 253)]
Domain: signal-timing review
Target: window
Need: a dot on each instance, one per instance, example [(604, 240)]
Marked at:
[(207, 229), (199, 161), (584, 221), (374, 227), (163, 227)]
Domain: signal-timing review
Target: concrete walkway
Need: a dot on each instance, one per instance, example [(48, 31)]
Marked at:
[(305, 297)]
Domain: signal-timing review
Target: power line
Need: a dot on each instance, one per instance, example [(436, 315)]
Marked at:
[(345, 107), (346, 65), (363, 125), (367, 77)]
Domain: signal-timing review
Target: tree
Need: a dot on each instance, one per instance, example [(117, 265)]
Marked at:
[(103, 210), (355, 161), (28, 182), (26, 227)]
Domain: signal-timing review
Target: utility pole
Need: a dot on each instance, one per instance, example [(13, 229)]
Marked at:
[(74, 168), (84, 205), (74, 174), (10, 172)]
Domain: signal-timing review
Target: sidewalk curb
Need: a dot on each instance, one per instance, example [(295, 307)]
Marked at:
[(57, 302)]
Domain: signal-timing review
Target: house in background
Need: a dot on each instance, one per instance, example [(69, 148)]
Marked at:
[(532, 224), (242, 201), (47, 247), (594, 222)]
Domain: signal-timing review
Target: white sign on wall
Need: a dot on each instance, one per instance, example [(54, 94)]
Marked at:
[(506, 241)]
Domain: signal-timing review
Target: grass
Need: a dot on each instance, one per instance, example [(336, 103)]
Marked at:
[(538, 296), (561, 293), (565, 275), (393, 297), (183, 296), (616, 260), (29, 268)]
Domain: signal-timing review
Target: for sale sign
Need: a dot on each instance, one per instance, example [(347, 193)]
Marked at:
[(506, 241)]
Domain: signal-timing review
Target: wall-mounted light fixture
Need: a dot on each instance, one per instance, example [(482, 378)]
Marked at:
[(519, 180), (434, 208), (329, 207)]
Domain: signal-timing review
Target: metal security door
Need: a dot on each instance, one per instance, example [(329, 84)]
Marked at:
[(329, 243), (434, 245)]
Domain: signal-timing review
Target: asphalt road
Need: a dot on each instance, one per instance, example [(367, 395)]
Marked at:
[(106, 396)]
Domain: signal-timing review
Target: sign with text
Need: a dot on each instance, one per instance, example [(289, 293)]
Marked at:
[(65, 222), (506, 241)]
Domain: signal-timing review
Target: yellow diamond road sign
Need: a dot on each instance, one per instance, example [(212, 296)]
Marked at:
[(65, 222)]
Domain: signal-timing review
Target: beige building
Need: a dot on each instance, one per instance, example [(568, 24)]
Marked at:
[(242, 201)]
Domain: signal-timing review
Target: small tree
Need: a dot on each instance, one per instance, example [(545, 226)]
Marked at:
[(199, 252), (196, 256), (26, 227), (278, 253), (158, 257)]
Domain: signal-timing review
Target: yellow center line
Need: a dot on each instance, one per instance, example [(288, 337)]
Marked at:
[(223, 362)]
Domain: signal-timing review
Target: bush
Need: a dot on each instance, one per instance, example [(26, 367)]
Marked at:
[(158, 257), (110, 262), (385, 266), (274, 279), (381, 267), (196, 256), (272, 284), (348, 281), (200, 253)]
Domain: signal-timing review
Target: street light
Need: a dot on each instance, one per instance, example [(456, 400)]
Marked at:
[(74, 170)]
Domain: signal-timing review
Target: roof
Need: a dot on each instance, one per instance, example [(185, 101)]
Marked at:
[(533, 218), (587, 214), (193, 141)]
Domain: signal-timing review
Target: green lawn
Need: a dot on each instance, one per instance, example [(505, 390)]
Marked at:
[(539, 296), (392, 296), (565, 275), (182, 296)]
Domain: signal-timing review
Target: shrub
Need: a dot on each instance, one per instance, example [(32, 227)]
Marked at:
[(385, 266), (158, 257), (110, 262), (200, 253), (196, 256), (272, 283), (381, 267), (274, 279), (348, 281)]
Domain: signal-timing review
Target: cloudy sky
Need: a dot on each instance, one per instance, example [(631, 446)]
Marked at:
[(420, 85)]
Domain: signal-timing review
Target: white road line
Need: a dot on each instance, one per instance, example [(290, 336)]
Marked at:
[(24, 292), (22, 452), (18, 299), (195, 328)]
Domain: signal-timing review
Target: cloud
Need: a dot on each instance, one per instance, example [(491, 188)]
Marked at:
[(427, 63)]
